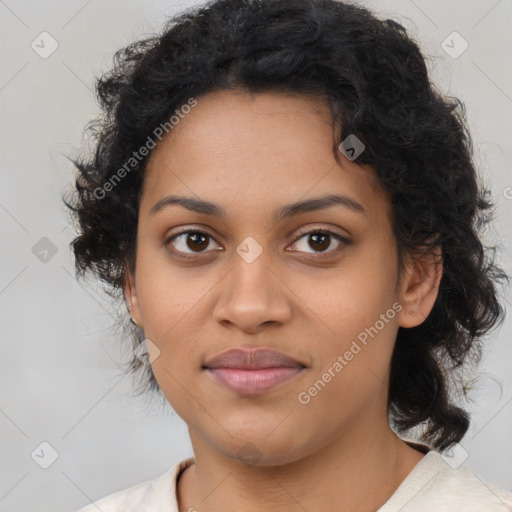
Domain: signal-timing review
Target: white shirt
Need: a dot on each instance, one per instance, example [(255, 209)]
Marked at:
[(432, 486)]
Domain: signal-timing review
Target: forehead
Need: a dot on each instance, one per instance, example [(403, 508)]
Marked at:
[(258, 149)]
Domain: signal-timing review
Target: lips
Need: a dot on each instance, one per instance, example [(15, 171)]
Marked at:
[(254, 359), (254, 371)]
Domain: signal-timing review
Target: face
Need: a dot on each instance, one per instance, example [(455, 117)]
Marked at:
[(254, 279)]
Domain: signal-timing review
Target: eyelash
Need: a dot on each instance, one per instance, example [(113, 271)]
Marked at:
[(317, 256)]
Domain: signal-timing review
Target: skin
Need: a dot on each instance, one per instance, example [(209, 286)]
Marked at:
[(251, 154)]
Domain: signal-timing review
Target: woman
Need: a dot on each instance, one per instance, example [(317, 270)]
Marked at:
[(291, 213)]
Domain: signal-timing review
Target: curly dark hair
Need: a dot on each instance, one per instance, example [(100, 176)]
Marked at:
[(374, 77)]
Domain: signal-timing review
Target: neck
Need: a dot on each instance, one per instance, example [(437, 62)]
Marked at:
[(360, 472)]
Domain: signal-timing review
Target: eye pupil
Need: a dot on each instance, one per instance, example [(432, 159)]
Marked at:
[(321, 236), (194, 245), (198, 242)]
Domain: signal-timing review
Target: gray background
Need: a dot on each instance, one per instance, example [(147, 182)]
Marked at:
[(59, 379)]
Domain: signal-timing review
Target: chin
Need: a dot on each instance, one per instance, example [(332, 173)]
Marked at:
[(264, 450)]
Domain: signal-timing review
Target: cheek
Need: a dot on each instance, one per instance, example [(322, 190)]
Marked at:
[(167, 292), (352, 313), (352, 296)]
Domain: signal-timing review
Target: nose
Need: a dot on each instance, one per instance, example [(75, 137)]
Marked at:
[(252, 295)]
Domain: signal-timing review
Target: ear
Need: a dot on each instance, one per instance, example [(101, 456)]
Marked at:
[(419, 287), (130, 295)]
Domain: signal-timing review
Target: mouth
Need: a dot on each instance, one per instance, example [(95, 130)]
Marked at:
[(252, 372), (253, 382)]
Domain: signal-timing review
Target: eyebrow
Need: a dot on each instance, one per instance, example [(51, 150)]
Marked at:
[(285, 212)]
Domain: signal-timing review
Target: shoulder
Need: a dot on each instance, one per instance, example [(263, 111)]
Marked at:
[(151, 496), (434, 485)]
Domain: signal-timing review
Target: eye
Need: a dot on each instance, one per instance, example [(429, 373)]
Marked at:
[(189, 242), (320, 240), (194, 240)]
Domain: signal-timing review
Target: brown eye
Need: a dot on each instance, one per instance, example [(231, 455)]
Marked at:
[(193, 242), (320, 241), (189, 242)]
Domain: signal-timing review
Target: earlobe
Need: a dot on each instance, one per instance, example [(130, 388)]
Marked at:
[(420, 287), (130, 295)]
